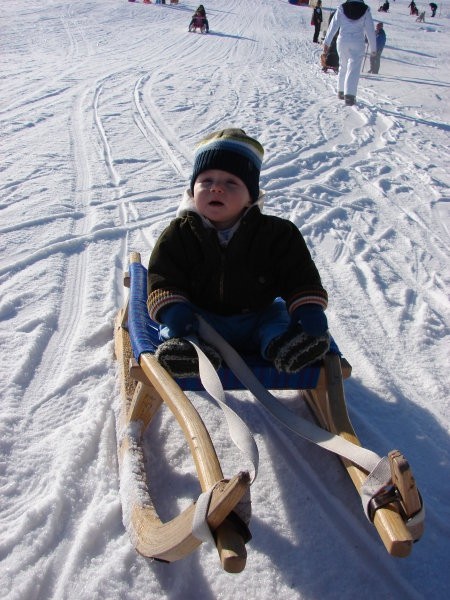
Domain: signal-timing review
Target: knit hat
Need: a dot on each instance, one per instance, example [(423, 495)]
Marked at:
[(230, 150)]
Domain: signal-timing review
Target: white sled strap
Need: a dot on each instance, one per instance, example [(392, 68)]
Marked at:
[(200, 527), (364, 458), (240, 435), (239, 432), (376, 482), (334, 443)]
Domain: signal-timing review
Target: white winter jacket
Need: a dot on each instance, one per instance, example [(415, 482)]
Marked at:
[(355, 23)]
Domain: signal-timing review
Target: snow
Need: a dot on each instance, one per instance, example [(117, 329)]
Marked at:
[(102, 103)]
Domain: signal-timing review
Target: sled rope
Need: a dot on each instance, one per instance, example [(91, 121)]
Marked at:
[(239, 433), (379, 475)]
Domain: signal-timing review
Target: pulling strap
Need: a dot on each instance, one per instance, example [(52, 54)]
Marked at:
[(239, 433), (377, 467)]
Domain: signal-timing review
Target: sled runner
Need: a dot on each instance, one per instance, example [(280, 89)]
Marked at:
[(400, 502), (144, 388), (395, 508)]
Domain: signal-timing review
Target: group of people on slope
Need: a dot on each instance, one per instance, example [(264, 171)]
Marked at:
[(249, 275), (421, 15), (413, 10), (353, 25)]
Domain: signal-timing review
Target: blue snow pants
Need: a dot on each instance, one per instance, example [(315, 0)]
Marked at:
[(250, 333)]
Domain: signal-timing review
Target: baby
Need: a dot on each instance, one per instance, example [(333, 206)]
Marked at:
[(249, 275)]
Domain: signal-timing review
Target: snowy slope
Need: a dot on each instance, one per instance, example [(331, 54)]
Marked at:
[(101, 104)]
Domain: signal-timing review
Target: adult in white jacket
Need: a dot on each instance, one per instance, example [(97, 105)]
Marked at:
[(354, 21)]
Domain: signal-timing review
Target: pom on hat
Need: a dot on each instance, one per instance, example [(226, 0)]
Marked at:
[(230, 150)]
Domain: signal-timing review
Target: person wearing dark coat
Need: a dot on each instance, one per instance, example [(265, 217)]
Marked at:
[(248, 274), (433, 7), (200, 13), (316, 20), (201, 10), (413, 10)]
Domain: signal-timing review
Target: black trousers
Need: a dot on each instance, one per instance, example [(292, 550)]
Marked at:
[(316, 32)]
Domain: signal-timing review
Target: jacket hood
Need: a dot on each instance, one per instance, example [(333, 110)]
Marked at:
[(354, 9)]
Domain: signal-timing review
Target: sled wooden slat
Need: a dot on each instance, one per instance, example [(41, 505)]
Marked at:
[(173, 540), (141, 400), (328, 404), (404, 481)]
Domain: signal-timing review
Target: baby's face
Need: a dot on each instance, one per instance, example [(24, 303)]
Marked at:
[(221, 197)]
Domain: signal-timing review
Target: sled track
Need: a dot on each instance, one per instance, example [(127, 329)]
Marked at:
[(146, 118), (72, 301)]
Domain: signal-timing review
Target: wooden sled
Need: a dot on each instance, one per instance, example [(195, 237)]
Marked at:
[(146, 386), (402, 501)]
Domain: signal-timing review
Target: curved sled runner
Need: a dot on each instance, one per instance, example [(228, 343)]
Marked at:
[(146, 386), (393, 516)]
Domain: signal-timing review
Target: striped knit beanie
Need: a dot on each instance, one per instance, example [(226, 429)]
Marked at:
[(230, 150)]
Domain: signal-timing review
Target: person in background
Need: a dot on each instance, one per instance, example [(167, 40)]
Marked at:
[(413, 10), (200, 13), (380, 36), (421, 17), (330, 60), (354, 21), (316, 20), (433, 7), (248, 274)]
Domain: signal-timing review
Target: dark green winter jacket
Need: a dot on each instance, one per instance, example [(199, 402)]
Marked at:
[(266, 258)]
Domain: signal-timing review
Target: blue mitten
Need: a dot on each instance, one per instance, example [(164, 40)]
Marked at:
[(312, 318), (179, 318)]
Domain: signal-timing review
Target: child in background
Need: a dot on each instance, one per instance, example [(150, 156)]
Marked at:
[(249, 275), (200, 13), (380, 36)]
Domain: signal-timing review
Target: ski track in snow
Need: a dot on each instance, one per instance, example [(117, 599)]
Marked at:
[(103, 104)]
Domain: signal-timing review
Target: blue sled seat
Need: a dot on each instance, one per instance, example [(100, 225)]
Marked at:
[(144, 337)]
